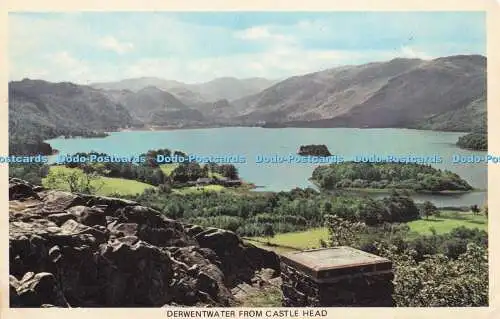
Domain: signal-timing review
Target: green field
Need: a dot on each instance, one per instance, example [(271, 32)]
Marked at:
[(111, 185), (168, 168), (108, 185), (289, 242), (293, 241), (447, 221)]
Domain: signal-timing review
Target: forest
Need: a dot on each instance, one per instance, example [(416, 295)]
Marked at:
[(150, 171), (474, 141), (408, 176)]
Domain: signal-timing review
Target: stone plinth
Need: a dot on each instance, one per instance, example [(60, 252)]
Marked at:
[(336, 277)]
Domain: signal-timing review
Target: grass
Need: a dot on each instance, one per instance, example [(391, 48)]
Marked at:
[(288, 242), (447, 221), (270, 297), (109, 185), (168, 168), (122, 186)]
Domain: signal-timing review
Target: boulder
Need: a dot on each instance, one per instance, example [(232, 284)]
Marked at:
[(89, 216), (35, 290), (19, 189), (76, 250)]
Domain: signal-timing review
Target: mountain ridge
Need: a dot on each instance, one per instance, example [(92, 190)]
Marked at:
[(210, 91), (379, 94), (446, 93)]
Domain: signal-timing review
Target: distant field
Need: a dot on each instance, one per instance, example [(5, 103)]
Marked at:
[(110, 185), (447, 221), (168, 168), (300, 240)]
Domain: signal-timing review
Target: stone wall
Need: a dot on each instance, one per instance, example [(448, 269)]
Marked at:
[(349, 286)]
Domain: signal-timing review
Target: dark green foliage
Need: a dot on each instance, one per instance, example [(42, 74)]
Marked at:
[(268, 230), (416, 177), (438, 280), (394, 208), (32, 172), (474, 141), (314, 150), (146, 172), (430, 271), (186, 172), (296, 210), (24, 145), (147, 169), (475, 209), (428, 209)]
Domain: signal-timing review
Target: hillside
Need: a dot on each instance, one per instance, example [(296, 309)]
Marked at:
[(151, 105), (39, 110), (443, 93), (63, 105)]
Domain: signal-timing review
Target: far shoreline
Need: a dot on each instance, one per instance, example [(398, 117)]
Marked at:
[(215, 126), (196, 127)]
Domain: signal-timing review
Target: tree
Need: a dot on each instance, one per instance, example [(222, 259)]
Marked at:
[(75, 180), (485, 210), (437, 280), (475, 209), (180, 174), (165, 188), (229, 171), (343, 232), (428, 209), (268, 231)]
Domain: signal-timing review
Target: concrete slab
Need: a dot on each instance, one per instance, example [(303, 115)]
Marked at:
[(337, 261)]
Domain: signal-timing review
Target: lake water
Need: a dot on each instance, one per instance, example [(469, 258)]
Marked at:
[(250, 142)]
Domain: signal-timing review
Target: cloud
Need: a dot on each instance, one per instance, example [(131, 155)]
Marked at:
[(73, 69), (409, 52), (273, 64), (62, 47), (263, 33), (111, 43)]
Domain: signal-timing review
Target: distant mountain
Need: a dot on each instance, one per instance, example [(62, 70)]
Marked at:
[(447, 93), (42, 108), (218, 89), (444, 93), (230, 88), (151, 105), (137, 84)]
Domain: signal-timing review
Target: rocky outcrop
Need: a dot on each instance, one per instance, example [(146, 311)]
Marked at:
[(75, 250)]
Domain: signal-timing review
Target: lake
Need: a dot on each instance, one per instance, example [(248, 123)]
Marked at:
[(252, 141)]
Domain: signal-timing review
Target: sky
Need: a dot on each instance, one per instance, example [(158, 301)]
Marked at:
[(193, 47)]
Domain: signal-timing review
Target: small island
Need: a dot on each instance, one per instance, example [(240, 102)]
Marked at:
[(314, 150), (417, 178), (474, 141)]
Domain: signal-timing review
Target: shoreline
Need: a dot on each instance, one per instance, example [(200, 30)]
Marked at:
[(175, 128), (411, 192), (389, 190)]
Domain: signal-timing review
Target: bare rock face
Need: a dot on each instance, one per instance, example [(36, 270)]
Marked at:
[(74, 250)]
